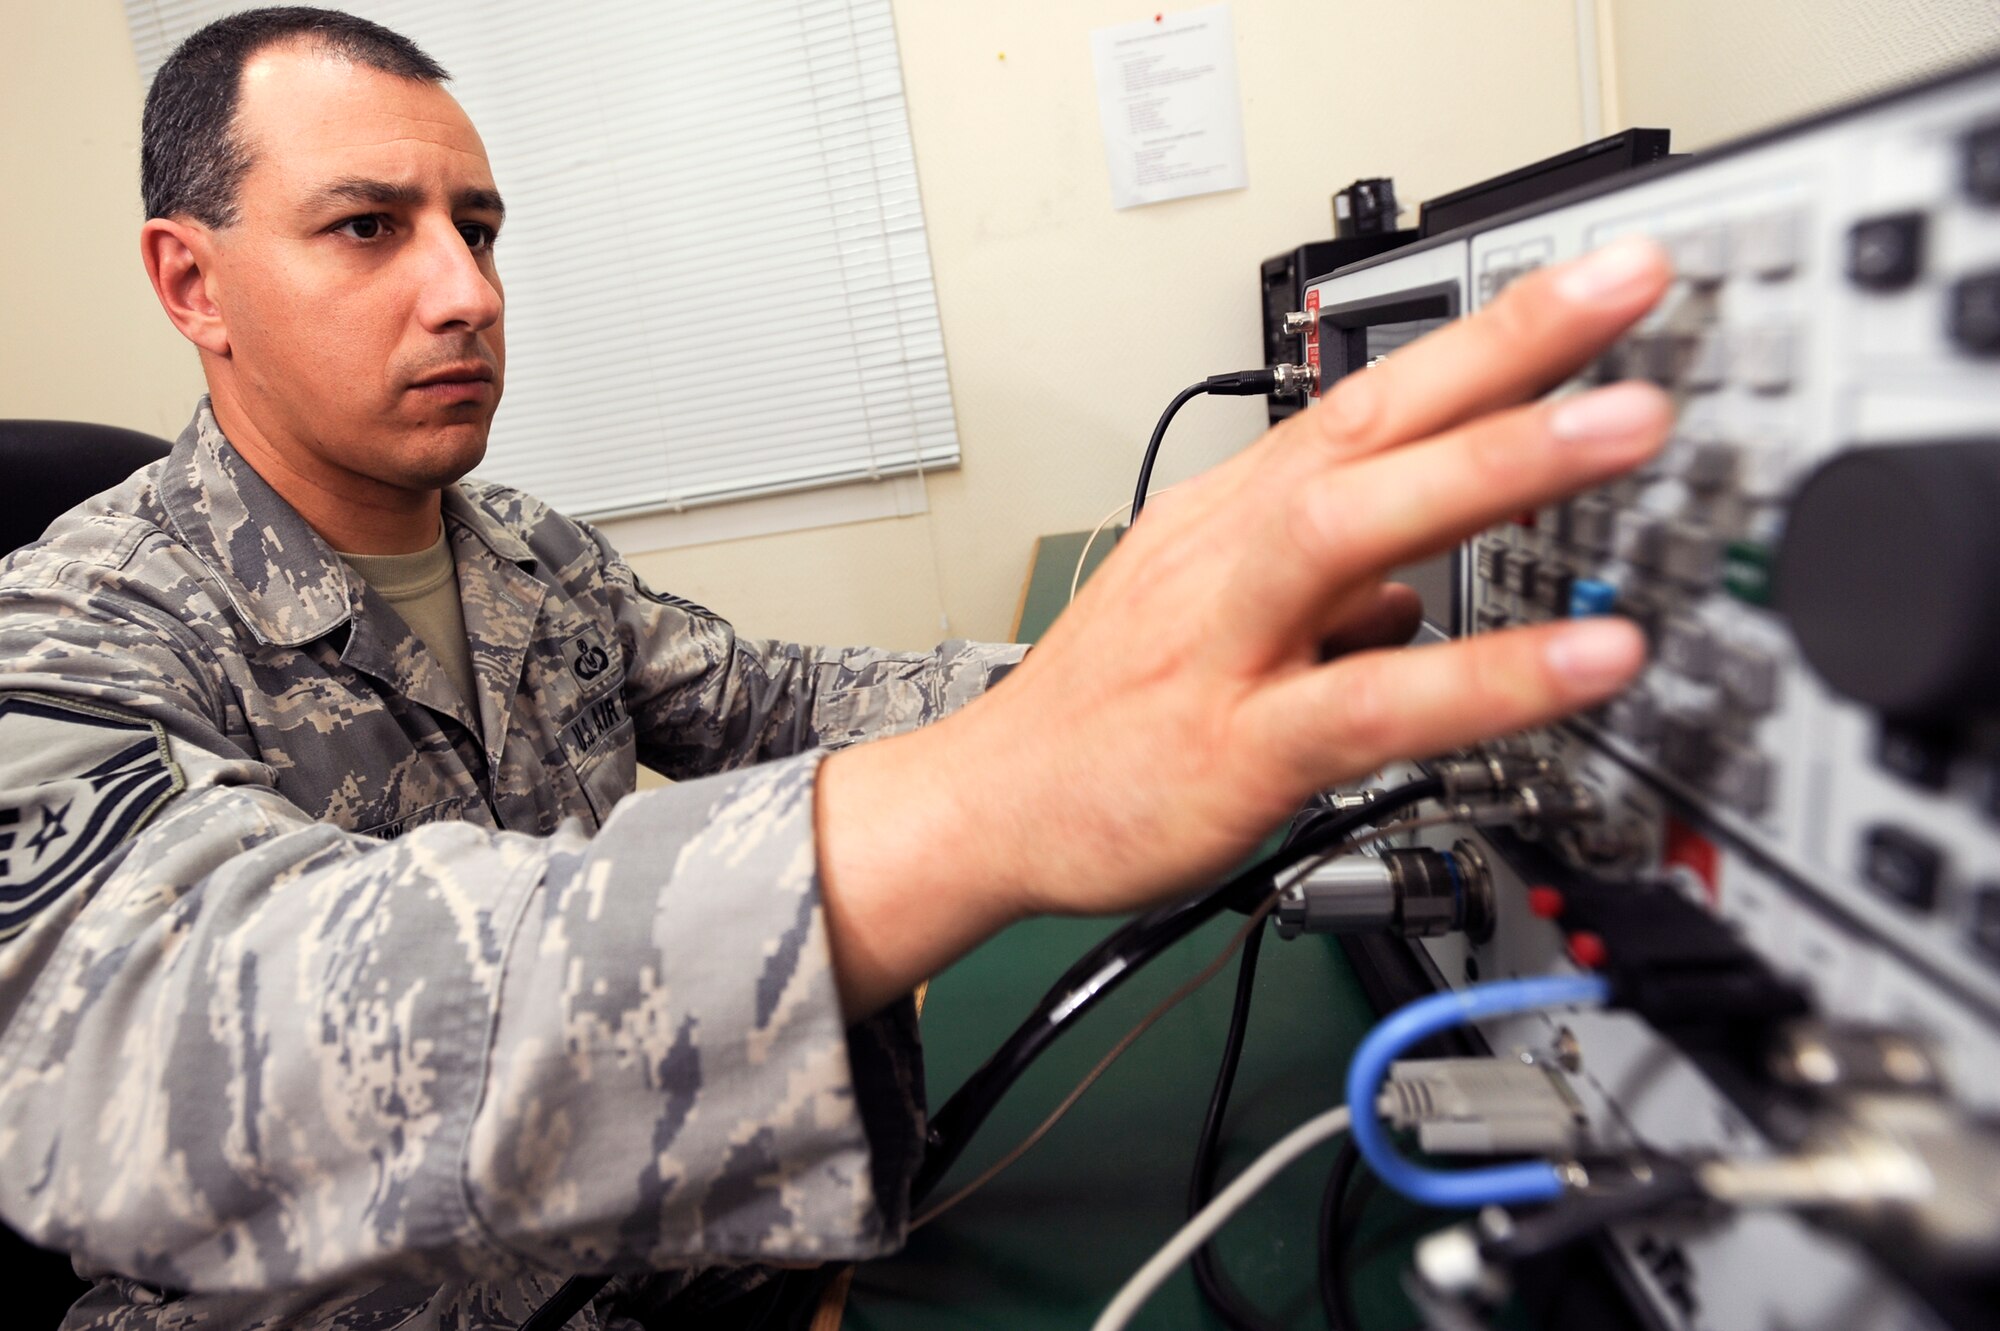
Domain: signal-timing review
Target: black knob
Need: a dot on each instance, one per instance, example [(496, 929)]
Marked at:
[(1889, 573)]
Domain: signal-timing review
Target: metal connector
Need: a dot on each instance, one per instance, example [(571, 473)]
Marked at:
[(1542, 806), (1483, 1106), (1301, 379), (1412, 892), (1487, 774), (1299, 321)]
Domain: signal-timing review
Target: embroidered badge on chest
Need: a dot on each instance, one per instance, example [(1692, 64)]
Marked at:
[(589, 661)]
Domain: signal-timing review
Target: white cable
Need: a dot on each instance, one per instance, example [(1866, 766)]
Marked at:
[(1197, 1231), (1076, 578)]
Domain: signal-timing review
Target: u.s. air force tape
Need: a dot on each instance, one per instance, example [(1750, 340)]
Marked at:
[(76, 780)]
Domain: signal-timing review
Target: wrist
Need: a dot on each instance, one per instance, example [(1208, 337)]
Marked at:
[(913, 873)]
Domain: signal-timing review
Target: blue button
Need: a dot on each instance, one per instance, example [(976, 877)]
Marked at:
[(1591, 596)]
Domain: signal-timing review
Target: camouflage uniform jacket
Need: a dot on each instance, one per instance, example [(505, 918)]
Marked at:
[(329, 1001)]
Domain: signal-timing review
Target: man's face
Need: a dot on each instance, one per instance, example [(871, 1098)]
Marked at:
[(357, 285)]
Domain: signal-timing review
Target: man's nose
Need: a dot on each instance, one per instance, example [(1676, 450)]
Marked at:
[(456, 294)]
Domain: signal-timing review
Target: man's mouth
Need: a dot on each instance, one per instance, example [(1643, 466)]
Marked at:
[(469, 372), (470, 381)]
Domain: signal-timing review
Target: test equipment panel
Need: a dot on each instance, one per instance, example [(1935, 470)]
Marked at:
[(1813, 755)]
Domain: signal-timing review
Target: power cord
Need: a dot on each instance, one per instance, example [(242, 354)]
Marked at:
[(1239, 383)]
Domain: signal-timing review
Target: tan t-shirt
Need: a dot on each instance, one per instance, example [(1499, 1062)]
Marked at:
[(424, 589)]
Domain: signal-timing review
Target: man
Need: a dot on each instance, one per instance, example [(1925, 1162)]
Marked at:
[(347, 981)]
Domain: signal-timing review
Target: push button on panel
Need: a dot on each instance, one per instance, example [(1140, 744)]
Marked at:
[(1920, 756), (1973, 318), (1517, 572), (1764, 358), (1634, 715), (1903, 866), (1636, 538), (1688, 648), (1986, 920), (1711, 465), (1552, 589), (1586, 525), (1591, 596), (1702, 257), (1886, 253), (1742, 779), (1979, 163), (1771, 246), (1749, 676), (1690, 555)]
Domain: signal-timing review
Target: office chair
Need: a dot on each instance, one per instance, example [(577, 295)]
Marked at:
[(51, 467)]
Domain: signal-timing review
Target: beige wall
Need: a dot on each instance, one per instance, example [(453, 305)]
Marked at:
[(80, 335), (1715, 69), (1067, 325)]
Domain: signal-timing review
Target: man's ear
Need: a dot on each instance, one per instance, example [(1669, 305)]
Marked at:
[(177, 256)]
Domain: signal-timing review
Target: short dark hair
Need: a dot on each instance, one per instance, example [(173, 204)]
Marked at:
[(191, 159)]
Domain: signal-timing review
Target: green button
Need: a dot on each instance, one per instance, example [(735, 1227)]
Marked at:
[(1746, 572)]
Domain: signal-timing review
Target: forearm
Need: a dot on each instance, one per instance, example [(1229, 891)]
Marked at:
[(915, 868)]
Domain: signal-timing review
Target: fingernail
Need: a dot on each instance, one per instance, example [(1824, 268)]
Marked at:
[(1596, 653), (1609, 272), (1607, 415)]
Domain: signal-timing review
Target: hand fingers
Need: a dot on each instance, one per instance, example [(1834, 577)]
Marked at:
[(1541, 330), (1348, 718), (1402, 505), (1388, 617)]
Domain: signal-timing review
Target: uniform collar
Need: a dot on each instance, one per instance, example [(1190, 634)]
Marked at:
[(285, 581), (484, 523)]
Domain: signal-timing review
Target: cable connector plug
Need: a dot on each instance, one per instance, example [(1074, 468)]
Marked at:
[(1256, 383), (1487, 773), (1483, 1106), (1412, 892)]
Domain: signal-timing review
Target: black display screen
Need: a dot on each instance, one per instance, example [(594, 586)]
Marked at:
[(1358, 333)]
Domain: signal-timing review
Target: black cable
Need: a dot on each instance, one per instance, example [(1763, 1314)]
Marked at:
[(1336, 1289), (1181, 399), (1238, 383), (565, 1303), (1564, 1223), (1114, 960), (1209, 1277)]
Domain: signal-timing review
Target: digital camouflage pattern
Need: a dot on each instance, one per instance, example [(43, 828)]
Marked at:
[(331, 1001)]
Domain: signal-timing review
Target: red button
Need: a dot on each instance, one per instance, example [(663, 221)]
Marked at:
[(1545, 903), (1587, 950)]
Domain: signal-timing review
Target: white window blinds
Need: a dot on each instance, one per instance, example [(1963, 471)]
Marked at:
[(717, 277)]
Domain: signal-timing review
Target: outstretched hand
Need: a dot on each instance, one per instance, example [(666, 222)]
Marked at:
[(1185, 704)]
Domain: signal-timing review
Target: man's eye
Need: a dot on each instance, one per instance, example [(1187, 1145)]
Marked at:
[(479, 237), (368, 226)]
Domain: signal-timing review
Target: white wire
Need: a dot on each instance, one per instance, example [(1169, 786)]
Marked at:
[(1197, 1231), (1076, 578)]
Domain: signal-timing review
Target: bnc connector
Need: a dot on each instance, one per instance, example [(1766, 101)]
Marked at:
[(1302, 379)]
